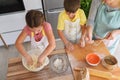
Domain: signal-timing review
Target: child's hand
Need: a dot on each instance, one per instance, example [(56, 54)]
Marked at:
[(40, 61), (69, 46), (82, 43), (29, 60)]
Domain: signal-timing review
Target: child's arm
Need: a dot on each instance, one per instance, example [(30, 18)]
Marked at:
[(83, 34), (50, 47), (83, 28), (68, 44), (61, 35), (60, 28), (21, 49)]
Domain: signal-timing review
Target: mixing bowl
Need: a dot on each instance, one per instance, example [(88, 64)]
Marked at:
[(34, 54)]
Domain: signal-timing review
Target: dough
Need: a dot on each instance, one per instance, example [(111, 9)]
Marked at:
[(58, 63), (34, 66)]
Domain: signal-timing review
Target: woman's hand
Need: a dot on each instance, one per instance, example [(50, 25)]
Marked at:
[(111, 35), (29, 60), (69, 46), (88, 37)]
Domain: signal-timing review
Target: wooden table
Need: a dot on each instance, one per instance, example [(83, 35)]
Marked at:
[(16, 71), (77, 58)]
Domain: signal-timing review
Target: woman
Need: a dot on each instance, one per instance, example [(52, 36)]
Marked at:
[(104, 22)]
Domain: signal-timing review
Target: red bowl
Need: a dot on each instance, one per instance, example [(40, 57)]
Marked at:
[(93, 59)]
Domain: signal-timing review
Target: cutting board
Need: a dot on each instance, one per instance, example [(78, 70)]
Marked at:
[(77, 58)]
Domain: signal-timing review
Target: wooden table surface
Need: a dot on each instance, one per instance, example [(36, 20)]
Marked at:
[(16, 71), (77, 58)]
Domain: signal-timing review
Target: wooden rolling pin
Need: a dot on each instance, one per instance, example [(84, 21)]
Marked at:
[(102, 74)]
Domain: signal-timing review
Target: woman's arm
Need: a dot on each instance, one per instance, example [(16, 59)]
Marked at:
[(91, 18), (92, 12), (113, 34)]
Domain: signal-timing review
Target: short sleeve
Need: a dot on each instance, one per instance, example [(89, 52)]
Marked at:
[(27, 30), (60, 25), (82, 17), (47, 26)]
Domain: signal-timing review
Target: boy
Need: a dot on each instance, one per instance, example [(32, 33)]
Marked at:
[(71, 23)]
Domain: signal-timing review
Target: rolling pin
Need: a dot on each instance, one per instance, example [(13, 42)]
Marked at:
[(102, 74)]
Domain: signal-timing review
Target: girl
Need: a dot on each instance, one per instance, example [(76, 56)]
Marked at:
[(40, 33)]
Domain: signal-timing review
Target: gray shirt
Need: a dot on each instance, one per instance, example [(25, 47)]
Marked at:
[(93, 11)]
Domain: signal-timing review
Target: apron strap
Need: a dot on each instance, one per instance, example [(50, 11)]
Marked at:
[(43, 33)]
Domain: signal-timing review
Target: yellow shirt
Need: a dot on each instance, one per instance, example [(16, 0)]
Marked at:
[(63, 16)]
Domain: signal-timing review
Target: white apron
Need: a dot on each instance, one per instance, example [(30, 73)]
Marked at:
[(72, 31), (41, 45)]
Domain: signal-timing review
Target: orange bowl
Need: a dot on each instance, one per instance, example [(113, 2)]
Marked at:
[(93, 59)]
